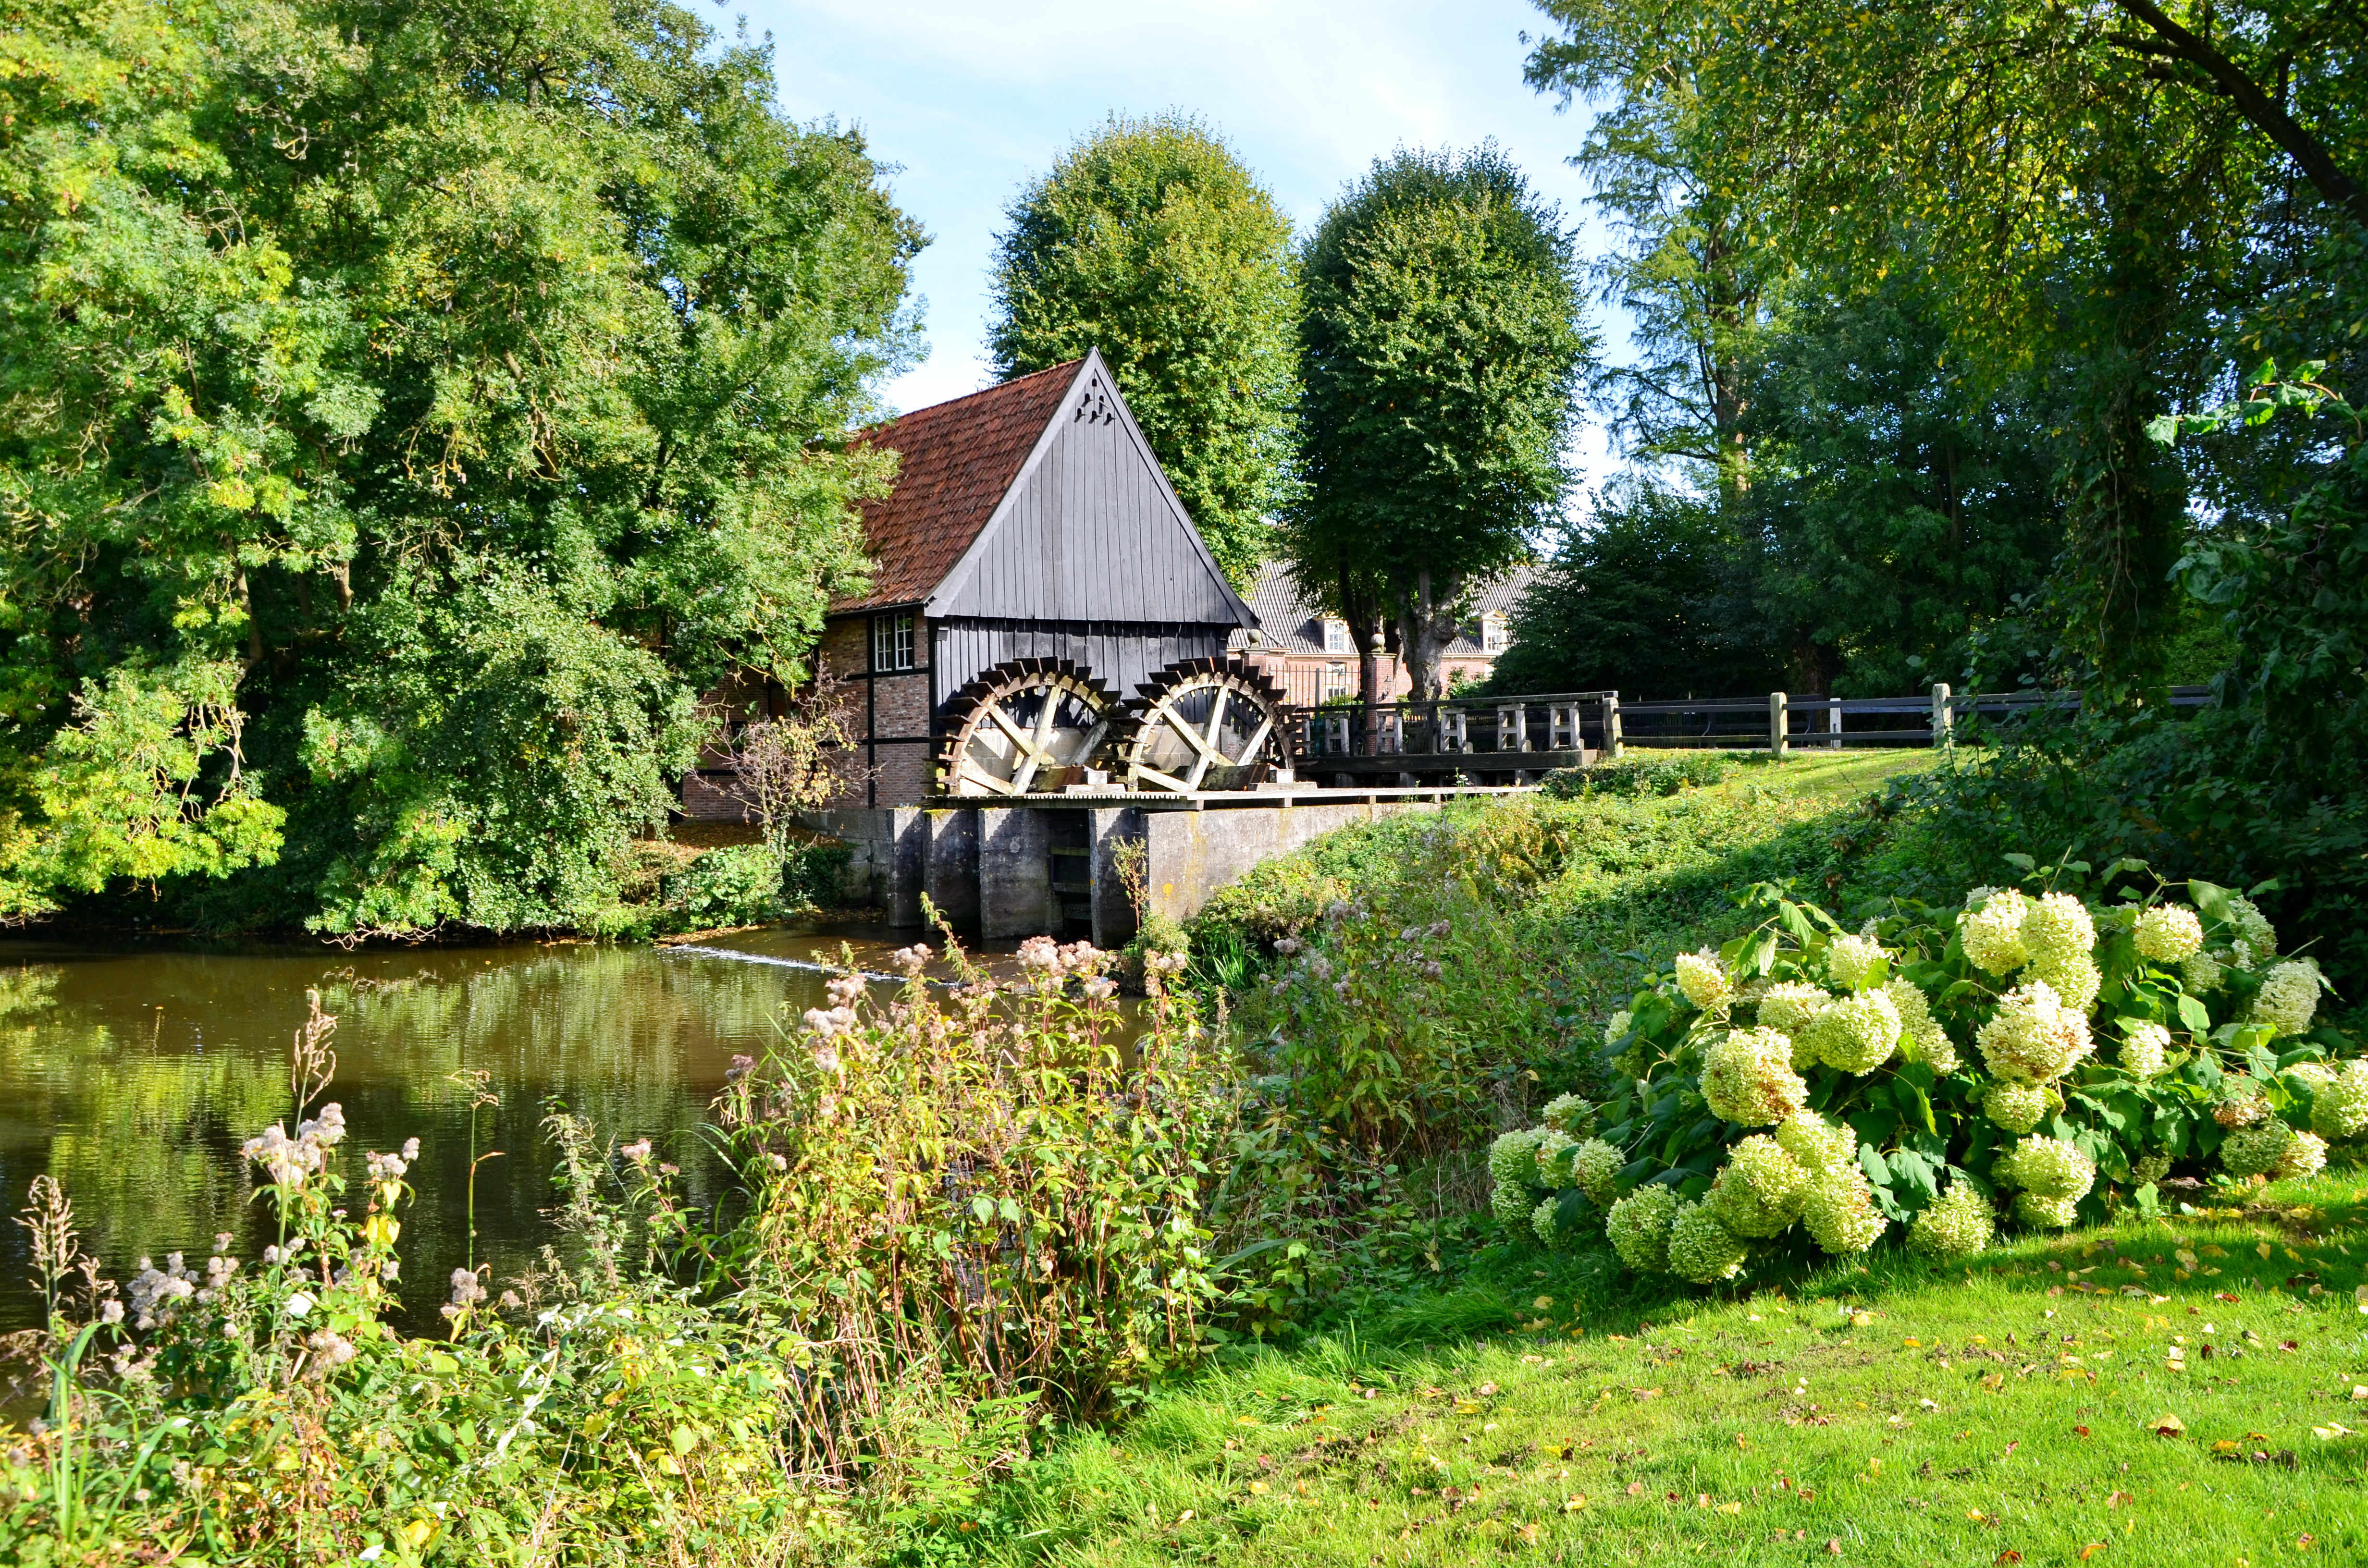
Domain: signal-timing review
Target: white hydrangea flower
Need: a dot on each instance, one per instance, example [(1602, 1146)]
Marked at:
[(2201, 973), (1512, 1158), (2033, 1037), (2252, 928), (1854, 961), (2306, 1156), (1856, 1034), (1840, 1213), (2044, 1213), (1542, 1221), (1704, 980), (2289, 997), (1816, 1143), (1761, 1189), (2167, 933), (2339, 1108), (2074, 977), (1747, 1078), (1594, 1166), (1991, 932), (1617, 1027), (1923, 1029), (1552, 1158), (2143, 1049), (1639, 1228), (2015, 1108), (2052, 1167), (1701, 1249), (1788, 1006), (1566, 1111), (2255, 1150), (1510, 1202), (2057, 927), (1957, 1226)]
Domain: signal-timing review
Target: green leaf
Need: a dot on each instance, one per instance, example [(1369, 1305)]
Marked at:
[(2194, 1015)]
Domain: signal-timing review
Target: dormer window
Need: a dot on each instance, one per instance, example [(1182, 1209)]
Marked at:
[(1492, 634), (1336, 636)]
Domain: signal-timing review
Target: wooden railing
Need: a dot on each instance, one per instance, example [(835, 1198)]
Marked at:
[(1600, 722)]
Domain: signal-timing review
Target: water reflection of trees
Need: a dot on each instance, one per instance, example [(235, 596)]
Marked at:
[(133, 1079)]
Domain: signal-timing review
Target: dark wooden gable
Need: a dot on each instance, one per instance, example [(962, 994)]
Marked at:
[(1090, 530)]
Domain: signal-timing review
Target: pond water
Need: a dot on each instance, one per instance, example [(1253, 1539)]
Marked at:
[(132, 1073)]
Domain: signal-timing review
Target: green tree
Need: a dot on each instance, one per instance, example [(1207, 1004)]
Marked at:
[(1150, 241), (1647, 598), (465, 382), (1439, 356), (2095, 181), (1899, 508), (1693, 270)]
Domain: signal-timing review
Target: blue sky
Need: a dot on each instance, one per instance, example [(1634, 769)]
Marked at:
[(973, 98)]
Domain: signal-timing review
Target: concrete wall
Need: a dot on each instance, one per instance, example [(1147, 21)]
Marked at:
[(1190, 855), (990, 869), (949, 863), (890, 854)]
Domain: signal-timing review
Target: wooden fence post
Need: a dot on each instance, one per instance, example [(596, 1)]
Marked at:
[(1779, 722), (1944, 718), (1611, 725)]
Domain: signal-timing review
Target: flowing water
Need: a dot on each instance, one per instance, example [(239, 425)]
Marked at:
[(132, 1073)]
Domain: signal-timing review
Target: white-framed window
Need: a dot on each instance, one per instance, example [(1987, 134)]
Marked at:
[(1492, 634), (1336, 681), (892, 641), (1336, 636)]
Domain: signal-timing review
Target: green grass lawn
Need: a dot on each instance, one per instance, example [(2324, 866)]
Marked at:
[(2010, 1412)]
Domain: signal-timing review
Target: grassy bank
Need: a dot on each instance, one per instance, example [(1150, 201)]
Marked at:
[(1889, 1414)]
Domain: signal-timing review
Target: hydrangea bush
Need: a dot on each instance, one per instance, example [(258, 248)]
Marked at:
[(2029, 1057)]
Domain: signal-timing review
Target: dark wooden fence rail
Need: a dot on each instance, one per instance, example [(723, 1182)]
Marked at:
[(1558, 729)]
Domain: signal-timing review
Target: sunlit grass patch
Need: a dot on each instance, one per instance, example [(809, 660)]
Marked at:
[(2083, 1398)]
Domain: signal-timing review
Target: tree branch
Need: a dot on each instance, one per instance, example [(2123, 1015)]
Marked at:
[(2338, 189)]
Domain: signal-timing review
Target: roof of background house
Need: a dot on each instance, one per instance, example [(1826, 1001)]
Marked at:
[(1289, 624), (959, 458)]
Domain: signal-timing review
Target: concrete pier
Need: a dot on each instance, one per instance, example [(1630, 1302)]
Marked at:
[(1053, 866)]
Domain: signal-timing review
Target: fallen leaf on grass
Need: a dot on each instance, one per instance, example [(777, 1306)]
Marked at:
[(2009, 1555), (1833, 1546), (2091, 1550), (2082, 1430), (1635, 1489), (1573, 1505), (2169, 1425), (2118, 1498)]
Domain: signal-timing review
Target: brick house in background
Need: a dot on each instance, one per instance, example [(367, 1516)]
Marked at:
[(1028, 521), (1313, 656)]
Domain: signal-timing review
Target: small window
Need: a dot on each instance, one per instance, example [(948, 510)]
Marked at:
[(1336, 681), (1335, 637), (1492, 633), (892, 643)]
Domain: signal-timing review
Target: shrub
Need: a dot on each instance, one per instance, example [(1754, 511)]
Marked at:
[(1884, 1108)]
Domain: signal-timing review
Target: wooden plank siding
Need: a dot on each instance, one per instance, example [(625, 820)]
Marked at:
[(1122, 656), (1090, 531)]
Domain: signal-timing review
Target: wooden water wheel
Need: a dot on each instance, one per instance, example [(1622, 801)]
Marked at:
[(1027, 726), (1203, 724)]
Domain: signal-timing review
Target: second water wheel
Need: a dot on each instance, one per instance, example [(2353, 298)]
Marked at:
[(1203, 724), (1027, 726)]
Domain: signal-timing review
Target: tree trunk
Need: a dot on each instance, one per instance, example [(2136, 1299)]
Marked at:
[(1427, 609)]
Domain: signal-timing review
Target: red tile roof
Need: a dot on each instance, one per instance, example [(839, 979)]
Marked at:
[(957, 459)]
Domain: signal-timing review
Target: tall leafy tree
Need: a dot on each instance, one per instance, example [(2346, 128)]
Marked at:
[(2094, 179), (1901, 508), (1440, 358), (1150, 241), (1692, 270), (407, 411)]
